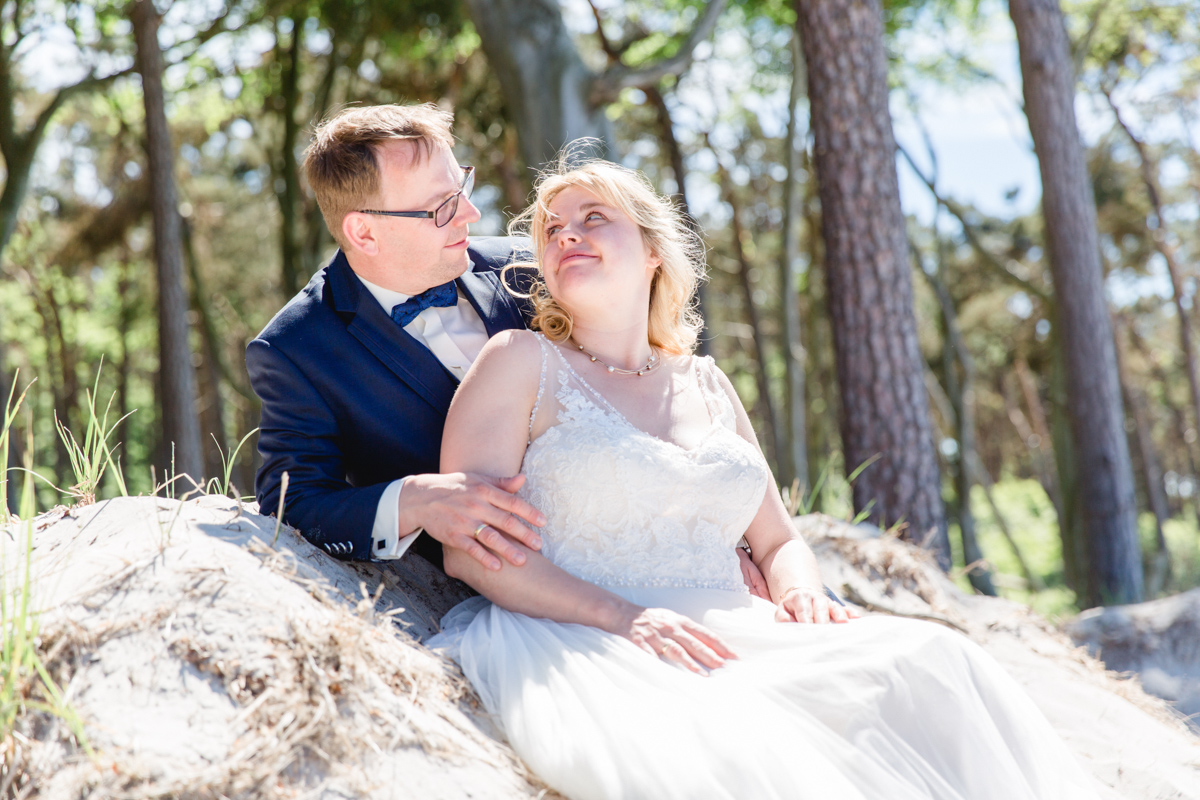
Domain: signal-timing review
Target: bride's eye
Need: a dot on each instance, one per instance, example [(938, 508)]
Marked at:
[(553, 229), (596, 214)]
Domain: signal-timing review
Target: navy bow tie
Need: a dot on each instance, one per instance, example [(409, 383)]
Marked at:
[(440, 296)]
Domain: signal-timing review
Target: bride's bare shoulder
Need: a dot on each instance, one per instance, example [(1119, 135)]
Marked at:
[(511, 356), (514, 346)]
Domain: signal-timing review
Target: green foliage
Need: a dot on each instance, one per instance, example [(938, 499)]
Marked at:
[(223, 486), (90, 459), (25, 683), (6, 423), (1031, 519)]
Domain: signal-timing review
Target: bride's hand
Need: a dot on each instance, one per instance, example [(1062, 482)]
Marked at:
[(662, 632), (804, 604)]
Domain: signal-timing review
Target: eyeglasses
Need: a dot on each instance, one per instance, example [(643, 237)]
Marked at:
[(441, 215)]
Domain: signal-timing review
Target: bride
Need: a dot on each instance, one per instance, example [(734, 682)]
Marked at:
[(627, 658)]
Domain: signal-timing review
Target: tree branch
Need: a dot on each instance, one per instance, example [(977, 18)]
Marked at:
[(605, 44), (8, 98), (34, 135), (609, 84), (215, 28), (19, 31), (989, 259)]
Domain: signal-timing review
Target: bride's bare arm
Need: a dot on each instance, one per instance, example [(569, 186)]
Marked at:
[(786, 560), (486, 432)]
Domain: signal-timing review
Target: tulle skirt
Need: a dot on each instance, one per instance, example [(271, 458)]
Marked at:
[(879, 707)]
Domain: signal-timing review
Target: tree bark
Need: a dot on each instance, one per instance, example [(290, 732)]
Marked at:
[(820, 387), (340, 53), (1070, 520), (180, 425), (552, 95), (1043, 453), (63, 376), (885, 410), (545, 83), (793, 457), (125, 316), (1105, 477), (292, 268), (960, 392), (1156, 497), (212, 404)]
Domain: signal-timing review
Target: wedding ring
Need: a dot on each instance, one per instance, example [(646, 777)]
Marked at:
[(479, 530)]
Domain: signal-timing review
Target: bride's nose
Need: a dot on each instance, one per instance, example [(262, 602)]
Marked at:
[(566, 235)]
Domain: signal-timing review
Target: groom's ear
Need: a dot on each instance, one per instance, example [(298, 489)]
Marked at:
[(359, 234)]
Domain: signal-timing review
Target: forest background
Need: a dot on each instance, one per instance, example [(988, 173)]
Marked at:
[(712, 101)]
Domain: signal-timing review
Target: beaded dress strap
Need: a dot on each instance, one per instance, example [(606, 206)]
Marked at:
[(720, 408), (603, 403), (537, 403)]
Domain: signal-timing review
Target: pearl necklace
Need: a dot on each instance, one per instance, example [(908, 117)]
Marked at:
[(650, 364)]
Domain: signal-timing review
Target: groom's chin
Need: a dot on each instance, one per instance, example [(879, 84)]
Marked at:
[(456, 264)]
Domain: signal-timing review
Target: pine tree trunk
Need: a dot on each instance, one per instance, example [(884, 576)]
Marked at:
[(1159, 571), (793, 457), (960, 392), (1103, 472), (180, 425), (292, 266), (885, 410), (125, 315), (212, 404), (819, 385), (1043, 454), (545, 83)]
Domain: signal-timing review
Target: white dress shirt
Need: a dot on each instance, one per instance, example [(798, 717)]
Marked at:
[(455, 335)]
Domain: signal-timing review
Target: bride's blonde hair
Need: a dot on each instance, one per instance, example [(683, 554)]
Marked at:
[(674, 324)]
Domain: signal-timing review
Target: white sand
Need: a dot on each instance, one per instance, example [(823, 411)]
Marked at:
[(205, 663)]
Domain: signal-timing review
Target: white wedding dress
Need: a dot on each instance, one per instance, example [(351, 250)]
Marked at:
[(876, 708)]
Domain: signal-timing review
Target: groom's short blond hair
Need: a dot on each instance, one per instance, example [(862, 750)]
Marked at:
[(341, 164)]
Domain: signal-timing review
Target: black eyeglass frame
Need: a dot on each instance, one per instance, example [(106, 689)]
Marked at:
[(464, 190)]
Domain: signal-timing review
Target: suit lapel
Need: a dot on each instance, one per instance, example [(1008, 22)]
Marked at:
[(403, 355), (497, 308)]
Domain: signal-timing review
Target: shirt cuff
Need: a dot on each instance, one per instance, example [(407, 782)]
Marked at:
[(386, 542)]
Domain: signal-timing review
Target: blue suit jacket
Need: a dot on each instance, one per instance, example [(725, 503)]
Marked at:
[(351, 402)]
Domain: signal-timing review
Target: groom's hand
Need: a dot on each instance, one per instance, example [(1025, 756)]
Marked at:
[(452, 507), (753, 576)]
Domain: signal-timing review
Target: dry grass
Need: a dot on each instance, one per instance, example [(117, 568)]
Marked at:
[(317, 699)]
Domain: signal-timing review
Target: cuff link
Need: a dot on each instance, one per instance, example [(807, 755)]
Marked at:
[(338, 548)]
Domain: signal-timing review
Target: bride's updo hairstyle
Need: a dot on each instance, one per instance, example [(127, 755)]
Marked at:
[(674, 323)]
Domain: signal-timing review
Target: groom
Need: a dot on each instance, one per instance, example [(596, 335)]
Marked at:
[(357, 372)]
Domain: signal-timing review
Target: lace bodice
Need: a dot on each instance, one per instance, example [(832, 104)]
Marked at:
[(625, 508)]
